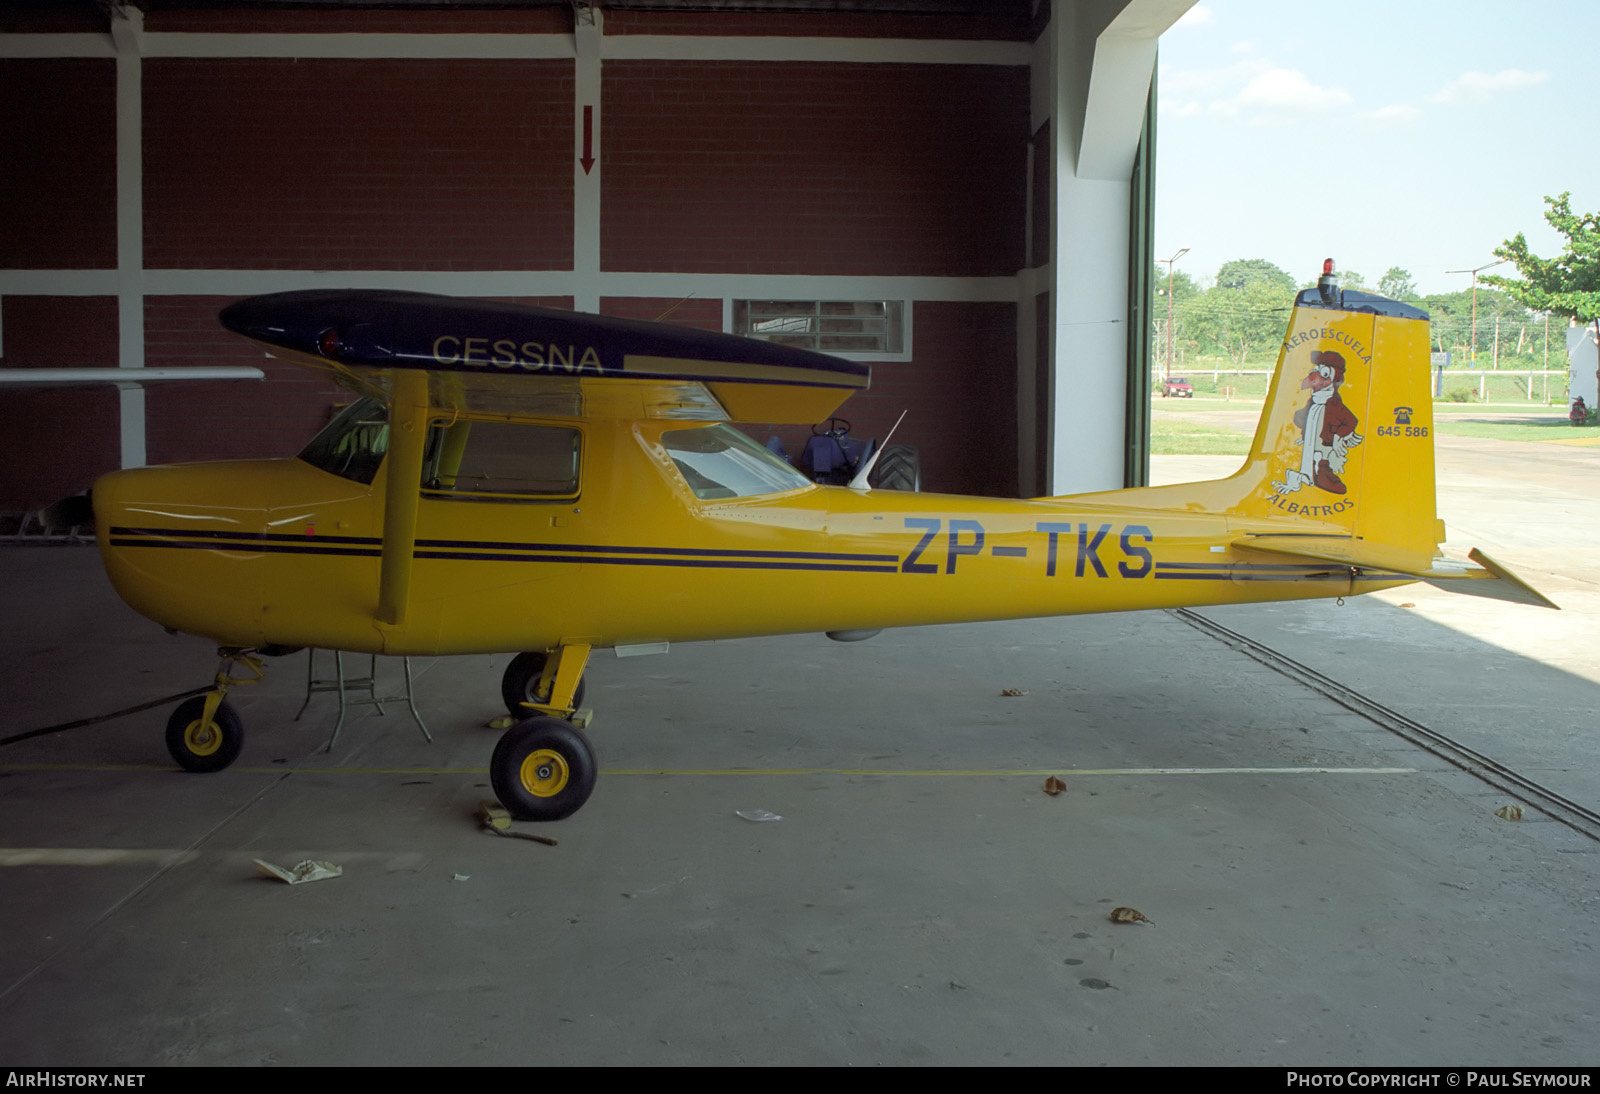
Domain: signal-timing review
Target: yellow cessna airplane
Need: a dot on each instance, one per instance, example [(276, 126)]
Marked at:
[(520, 479)]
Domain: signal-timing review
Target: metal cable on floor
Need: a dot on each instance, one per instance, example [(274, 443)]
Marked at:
[(1579, 818), (81, 722)]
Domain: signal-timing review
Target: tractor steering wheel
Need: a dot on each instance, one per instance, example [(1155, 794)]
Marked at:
[(836, 427)]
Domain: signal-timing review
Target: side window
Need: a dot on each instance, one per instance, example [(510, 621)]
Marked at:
[(353, 444), (501, 461)]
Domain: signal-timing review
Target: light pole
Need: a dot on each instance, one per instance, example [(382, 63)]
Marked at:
[(1475, 273), (1167, 372)]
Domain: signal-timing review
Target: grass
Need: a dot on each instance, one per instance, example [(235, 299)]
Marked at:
[(1170, 437), (1224, 385), (1215, 376), (1538, 429)]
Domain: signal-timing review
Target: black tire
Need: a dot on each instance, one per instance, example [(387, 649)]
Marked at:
[(543, 769), (521, 681), (899, 468), (207, 748)]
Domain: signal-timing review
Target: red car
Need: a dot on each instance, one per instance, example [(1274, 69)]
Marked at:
[(1176, 385)]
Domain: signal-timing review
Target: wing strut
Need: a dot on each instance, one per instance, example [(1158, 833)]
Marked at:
[(408, 430)]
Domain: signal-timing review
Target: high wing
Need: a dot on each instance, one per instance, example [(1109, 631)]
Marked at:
[(482, 355)]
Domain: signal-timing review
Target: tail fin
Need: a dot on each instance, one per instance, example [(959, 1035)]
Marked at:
[(1346, 437), (1341, 468)]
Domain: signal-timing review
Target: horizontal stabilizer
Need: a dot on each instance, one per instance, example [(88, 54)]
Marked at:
[(1488, 578), (1508, 585)]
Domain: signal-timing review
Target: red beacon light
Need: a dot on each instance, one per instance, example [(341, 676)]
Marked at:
[(328, 343), (1328, 284)]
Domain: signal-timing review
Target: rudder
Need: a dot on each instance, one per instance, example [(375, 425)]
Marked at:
[(1345, 440)]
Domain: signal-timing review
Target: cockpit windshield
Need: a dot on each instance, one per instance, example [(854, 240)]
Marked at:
[(352, 445), (719, 462)]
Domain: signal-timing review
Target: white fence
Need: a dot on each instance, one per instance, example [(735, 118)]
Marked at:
[(1536, 386)]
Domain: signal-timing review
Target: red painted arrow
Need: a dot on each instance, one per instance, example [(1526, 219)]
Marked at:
[(588, 139)]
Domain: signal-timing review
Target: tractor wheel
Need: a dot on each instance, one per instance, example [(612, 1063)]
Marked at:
[(899, 468)]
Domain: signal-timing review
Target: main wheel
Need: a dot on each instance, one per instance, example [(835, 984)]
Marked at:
[(211, 746), (899, 468), (543, 769), (520, 683)]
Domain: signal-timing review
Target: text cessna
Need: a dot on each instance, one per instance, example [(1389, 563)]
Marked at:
[(451, 349)]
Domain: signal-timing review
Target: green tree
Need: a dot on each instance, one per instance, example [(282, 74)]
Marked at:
[(1566, 285), (1245, 310), (1184, 292), (1243, 273), (1183, 286), (1452, 316), (1398, 284)]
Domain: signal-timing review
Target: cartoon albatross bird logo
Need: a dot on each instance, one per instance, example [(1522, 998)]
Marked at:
[(1327, 429)]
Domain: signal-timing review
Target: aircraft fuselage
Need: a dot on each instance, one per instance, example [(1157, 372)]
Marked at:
[(281, 552)]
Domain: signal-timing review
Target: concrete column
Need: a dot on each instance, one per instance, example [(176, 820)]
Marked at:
[(1102, 59), (127, 27)]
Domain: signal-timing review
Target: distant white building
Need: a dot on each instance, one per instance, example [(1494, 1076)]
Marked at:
[(1582, 360)]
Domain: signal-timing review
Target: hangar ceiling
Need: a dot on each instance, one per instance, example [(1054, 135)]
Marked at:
[(1019, 8)]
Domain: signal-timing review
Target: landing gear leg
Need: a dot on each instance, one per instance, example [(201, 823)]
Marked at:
[(525, 681), (544, 766), (205, 733)]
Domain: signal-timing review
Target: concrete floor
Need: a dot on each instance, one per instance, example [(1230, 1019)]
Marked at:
[(1321, 892)]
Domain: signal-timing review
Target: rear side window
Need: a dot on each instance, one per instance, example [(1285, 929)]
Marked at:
[(501, 461)]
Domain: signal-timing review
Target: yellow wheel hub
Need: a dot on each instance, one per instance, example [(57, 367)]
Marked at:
[(202, 738), (544, 773)]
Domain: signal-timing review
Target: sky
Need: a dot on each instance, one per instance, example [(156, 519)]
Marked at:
[(1411, 133)]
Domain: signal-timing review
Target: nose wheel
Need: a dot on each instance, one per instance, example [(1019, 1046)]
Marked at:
[(205, 733), (200, 743)]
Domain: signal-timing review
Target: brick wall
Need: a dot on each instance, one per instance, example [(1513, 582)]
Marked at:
[(57, 441), (698, 313), (378, 21), (959, 393), (349, 164), (58, 178), (1002, 27), (225, 419), (734, 167), (438, 165)]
